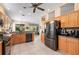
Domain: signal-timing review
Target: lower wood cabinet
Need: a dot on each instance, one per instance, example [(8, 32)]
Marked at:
[(18, 38), (73, 46), (32, 36), (0, 48), (62, 44), (42, 38), (22, 37), (69, 45)]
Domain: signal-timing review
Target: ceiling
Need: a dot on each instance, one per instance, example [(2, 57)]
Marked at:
[(16, 11)]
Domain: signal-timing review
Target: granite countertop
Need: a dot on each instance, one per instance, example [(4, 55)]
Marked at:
[(69, 36)]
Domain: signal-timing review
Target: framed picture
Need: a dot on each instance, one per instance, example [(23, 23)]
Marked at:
[(20, 27)]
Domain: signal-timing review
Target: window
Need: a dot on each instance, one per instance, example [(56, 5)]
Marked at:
[(69, 7)]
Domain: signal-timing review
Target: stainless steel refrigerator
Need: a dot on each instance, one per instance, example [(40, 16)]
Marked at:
[(51, 39)]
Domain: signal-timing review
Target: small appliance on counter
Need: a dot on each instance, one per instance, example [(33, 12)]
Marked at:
[(72, 32)]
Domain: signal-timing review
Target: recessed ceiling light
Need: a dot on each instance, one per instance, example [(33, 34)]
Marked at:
[(48, 9), (8, 8), (20, 11), (29, 13), (24, 7)]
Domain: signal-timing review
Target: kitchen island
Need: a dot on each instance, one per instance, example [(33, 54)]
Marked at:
[(8, 40), (22, 37)]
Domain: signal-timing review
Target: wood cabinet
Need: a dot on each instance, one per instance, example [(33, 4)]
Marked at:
[(21, 38), (42, 38), (78, 19), (62, 44), (73, 17), (69, 20), (18, 38), (33, 37), (0, 48), (64, 21), (69, 45), (73, 46)]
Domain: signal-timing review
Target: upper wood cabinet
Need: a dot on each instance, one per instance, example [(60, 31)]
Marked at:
[(64, 21), (73, 17), (78, 19), (69, 20)]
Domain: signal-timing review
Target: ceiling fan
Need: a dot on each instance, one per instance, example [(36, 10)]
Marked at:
[(36, 6)]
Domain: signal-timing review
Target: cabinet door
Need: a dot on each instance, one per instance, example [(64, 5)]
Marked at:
[(59, 43), (16, 38), (64, 21), (62, 44), (42, 38), (73, 19), (73, 46), (32, 37), (22, 38), (76, 46), (19, 38), (78, 19), (0, 48)]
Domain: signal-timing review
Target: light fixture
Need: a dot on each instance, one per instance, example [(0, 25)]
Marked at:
[(48, 9), (29, 13), (8, 8), (23, 15), (24, 7), (20, 11)]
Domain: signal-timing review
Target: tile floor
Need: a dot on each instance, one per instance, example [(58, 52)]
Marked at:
[(33, 48)]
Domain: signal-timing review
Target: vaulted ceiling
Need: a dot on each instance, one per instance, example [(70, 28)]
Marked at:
[(17, 12)]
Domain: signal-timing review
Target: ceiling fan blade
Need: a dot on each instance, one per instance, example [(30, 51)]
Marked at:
[(30, 7), (36, 4), (34, 10), (40, 8)]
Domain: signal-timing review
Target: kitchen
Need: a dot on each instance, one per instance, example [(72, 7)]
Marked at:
[(58, 29)]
